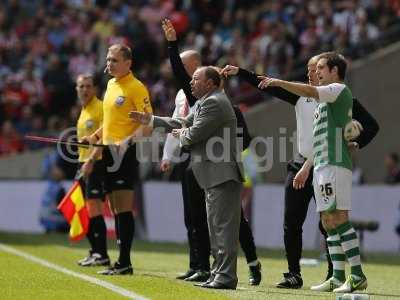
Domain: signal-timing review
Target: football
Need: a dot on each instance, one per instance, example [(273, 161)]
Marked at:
[(352, 130)]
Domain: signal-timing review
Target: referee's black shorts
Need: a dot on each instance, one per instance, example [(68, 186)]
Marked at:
[(93, 185), (122, 170)]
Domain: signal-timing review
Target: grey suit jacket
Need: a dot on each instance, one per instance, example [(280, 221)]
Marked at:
[(211, 137)]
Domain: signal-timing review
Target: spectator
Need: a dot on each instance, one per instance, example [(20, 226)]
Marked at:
[(152, 14), (50, 218), (10, 141), (14, 97), (104, 27), (362, 31), (209, 44), (392, 168), (59, 85), (24, 124), (80, 61), (32, 84), (36, 128), (44, 44)]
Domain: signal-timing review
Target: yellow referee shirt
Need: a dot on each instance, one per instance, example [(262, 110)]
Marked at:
[(121, 97), (89, 121)]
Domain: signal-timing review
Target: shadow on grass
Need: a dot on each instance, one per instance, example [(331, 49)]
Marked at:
[(295, 293), (158, 247), (312, 294), (385, 295)]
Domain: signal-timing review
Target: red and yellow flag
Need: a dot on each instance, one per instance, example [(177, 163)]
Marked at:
[(74, 210)]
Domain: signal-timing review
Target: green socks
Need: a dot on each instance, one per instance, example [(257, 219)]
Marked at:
[(337, 255), (351, 248)]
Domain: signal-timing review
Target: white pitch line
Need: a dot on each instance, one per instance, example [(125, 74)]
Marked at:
[(104, 284)]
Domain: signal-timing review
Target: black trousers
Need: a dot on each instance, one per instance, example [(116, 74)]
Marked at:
[(195, 216), (296, 207)]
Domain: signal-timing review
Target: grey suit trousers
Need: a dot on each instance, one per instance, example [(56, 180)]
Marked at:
[(223, 217)]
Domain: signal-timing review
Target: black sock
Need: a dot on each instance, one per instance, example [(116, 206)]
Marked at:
[(246, 240), (90, 237), (99, 235), (126, 230), (116, 228)]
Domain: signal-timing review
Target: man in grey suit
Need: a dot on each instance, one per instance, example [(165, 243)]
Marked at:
[(209, 132)]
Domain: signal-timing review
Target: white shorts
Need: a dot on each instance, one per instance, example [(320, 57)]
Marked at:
[(332, 188)]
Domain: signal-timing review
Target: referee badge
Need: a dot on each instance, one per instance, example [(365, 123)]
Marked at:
[(89, 124), (120, 100)]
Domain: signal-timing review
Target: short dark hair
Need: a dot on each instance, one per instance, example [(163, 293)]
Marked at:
[(334, 59), (211, 73), (87, 76), (125, 51)]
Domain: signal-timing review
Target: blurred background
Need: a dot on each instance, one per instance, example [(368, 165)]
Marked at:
[(45, 44)]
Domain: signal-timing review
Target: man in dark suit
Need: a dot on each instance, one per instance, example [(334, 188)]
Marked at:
[(210, 134)]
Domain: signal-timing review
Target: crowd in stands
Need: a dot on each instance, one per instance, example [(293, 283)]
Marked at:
[(44, 44)]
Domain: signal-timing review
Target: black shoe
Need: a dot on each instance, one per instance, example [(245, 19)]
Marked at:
[(217, 286), (117, 269), (209, 280), (95, 260), (255, 274), (290, 281), (199, 276), (188, 273)]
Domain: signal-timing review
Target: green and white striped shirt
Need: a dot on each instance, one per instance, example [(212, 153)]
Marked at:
[(332, 114)]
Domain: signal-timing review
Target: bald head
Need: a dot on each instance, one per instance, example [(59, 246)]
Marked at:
[(191, 59)]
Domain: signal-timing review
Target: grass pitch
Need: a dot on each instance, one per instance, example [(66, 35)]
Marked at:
[(155, 268)]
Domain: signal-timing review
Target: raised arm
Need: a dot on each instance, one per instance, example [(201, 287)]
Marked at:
[(368, 122), (178, 68)]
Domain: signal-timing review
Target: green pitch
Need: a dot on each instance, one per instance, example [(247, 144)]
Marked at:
[(155, 268)]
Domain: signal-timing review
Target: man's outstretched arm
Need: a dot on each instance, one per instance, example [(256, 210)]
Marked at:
[(254, 79), (299, 89)]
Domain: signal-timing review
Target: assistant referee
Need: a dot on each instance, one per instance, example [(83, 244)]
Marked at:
[(90, 119), (124, 93)]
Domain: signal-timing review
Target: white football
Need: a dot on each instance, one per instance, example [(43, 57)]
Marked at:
[(352, 130)]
